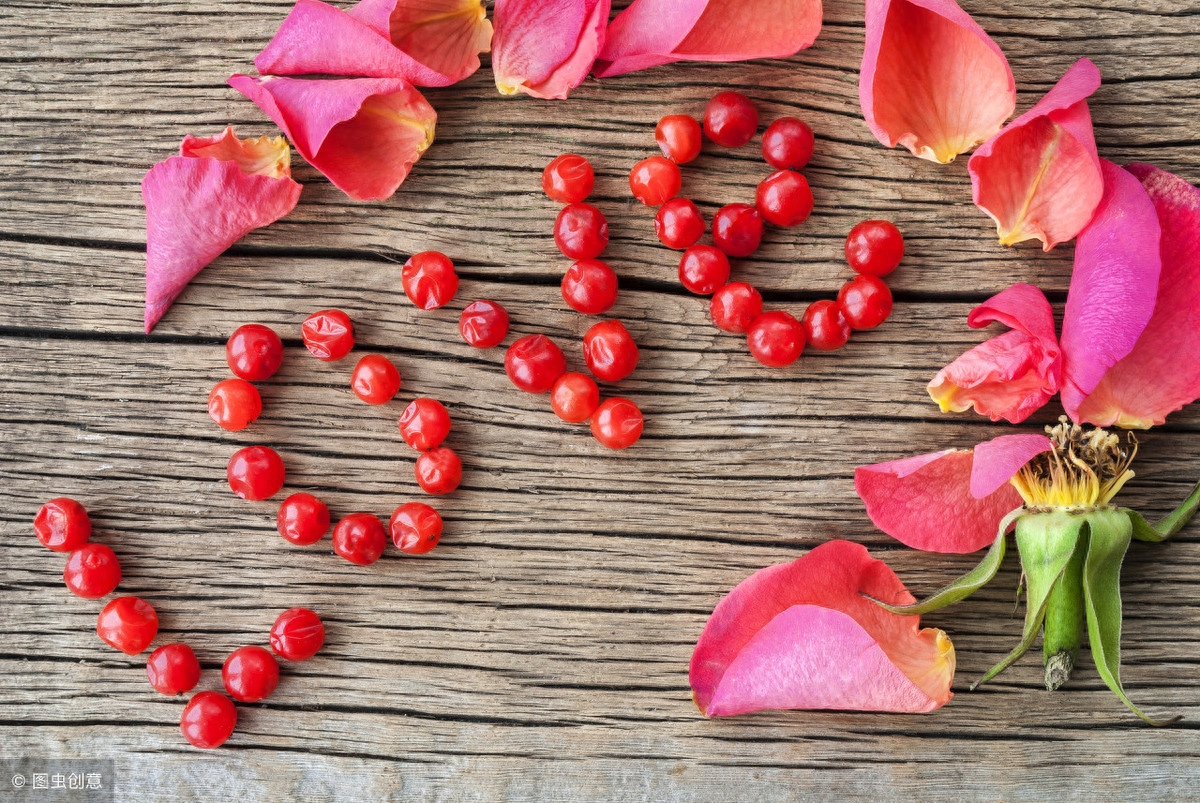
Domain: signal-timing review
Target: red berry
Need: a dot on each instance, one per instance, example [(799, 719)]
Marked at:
[(735, 306), (617, 423), (534, 362), (62, 525), (424, 424), (429, 279), (328, 334), (678, 135), (865, 301), (250, 674), (173, 669), (787, 144), (574, 397), (416, 528), (234, 404), (297, 634), (589, 286), (825, 327), (255, 473), (439, 471), (581, 231), (730, 119), (92, 571), (375, 379), (678, 223), (128, 624), (208, 720), (776, 338), (784, 199), (737, 229), (359, 538), (609, 351), (303, 519), (483, 324), (254, 352), (874, 247), (703, 269), (655, 180), (568, 179)]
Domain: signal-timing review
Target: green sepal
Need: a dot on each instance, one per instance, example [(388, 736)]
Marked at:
[(1167, 526)]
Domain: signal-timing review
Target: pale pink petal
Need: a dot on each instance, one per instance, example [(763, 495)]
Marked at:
[(1162, 373), (1040, 177), (446, 36), (653, 32), (255, 156), (364, 134), (931, 79), (997, 461), (930, 507), (545, 48), (1114, 285), (803, 635)]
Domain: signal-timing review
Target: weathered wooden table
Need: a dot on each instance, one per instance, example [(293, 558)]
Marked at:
[(541, 651)]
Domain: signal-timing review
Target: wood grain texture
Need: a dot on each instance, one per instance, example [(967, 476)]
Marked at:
[(540, 653)]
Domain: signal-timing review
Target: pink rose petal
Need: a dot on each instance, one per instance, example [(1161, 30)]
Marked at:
[(545, 48), (1040, 177), (997, 461), (446, 36), (931, 79)]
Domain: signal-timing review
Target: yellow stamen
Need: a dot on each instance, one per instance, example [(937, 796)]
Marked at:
[(1083, 469)]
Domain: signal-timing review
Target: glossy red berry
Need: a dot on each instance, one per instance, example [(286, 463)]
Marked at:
[(735, 306), (678, 223), (574, 397), (255, 473), (655, 180), (534, 362), (737, 229), (439, 471), (617, 423), (874, 247), (92, 571), (678, 136), (208, 720), (62, 525), (609, 351), (359, 538), (173, 669), (328, 334), (416, 528), (254, 352), (589, 286), (483, 324), (703, 269), (730, 119), (375, 379), (297, 635), (128, 624), (784, 199), (303, 519), (776, 338), (865, 301), (787, 144), (581, 231), (429, 279), (825, 327), (568, 179), (234, 404), (250, 674), (424, 424)]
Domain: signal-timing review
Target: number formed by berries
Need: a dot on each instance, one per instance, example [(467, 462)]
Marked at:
[(617, 423), (375, 379), (62, 525), (254, 352), (250, 674), (737, 229), (825, 326), (776, 338), (303, 519), (568, 179), (127, 624), (92, 571), (429, 279), (865, 301), (173, 669), (655, 180), (574, 397), (589, 286), (609, 351), (787, 144), (678, 223), (581, 231), (424, 424), (784, 199), (703, 269), (730, 119), (328, 334), (297, 635), (439, 471), (735, 306), (679, 137), (874, 247), (208, 720), (255, 473), (234, 404), (416, 528), (483, 324), (359, 538), (534, 362)]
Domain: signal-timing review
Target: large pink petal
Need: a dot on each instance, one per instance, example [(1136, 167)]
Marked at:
[(931, 79), (364, 134), (802, 635), (1162, 373), (997, 461), (446, 36), (1040, 177), (653, 32), (1013, 374), (926, 502), (545, 48), (1114, 285)]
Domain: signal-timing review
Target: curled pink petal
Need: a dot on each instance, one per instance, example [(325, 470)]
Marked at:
[(926, 502), (1013, 374), (653, 32), (802, 635), (931, 79), (997, 461), (446, 36), (545, 48), (200, 203), (1114, 285), (1162, 373), (1040, 177), (364, 134)]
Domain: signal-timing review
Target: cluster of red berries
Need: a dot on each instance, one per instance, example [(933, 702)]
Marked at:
[(130, 624)]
